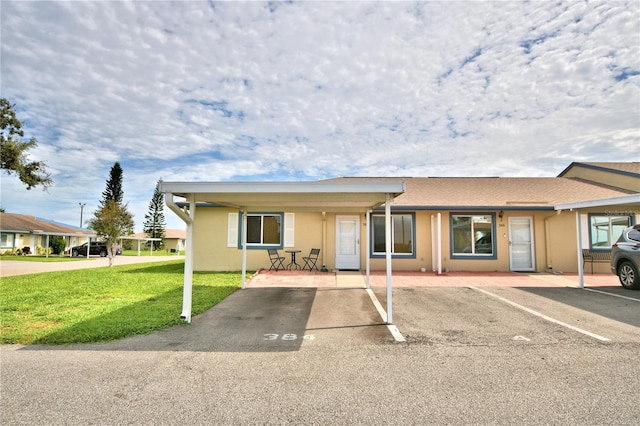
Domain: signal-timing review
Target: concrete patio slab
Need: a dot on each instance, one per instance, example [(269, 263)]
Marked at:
[(338, 279)]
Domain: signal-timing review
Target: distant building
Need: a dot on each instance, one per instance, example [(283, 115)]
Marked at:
[(19, 231)]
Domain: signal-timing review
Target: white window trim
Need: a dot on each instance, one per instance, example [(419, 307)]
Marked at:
[(288, 230)]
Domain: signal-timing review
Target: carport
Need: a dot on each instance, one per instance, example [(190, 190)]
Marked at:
[(140, 240), (247, 197), (628, 204)]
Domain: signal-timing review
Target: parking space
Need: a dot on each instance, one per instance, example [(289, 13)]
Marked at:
[(513, 315), (279, 319)]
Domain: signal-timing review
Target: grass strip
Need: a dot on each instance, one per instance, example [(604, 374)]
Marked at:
[(103, 304)]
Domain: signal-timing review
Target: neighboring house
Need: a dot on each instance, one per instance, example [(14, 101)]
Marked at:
[(174, 239), (457, 224), (18, 231)]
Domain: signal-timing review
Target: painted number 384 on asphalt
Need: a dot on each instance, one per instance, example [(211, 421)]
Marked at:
[(288, 336)]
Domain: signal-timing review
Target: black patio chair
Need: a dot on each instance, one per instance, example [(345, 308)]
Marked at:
[(310, 261), (276, 259)]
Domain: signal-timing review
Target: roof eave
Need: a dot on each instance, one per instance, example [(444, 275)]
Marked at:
[(632, 200)]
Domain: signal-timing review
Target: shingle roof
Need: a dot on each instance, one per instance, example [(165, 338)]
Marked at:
[(175, 233), (11, 222), (510, 193), (168, 233)]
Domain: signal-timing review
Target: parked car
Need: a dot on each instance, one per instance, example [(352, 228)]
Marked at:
[(482, 245), (625, 258), (97, 248)]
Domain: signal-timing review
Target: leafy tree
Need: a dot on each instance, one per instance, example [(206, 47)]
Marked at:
[(114, 185), (154, 224), (111, 221), (13, 150)]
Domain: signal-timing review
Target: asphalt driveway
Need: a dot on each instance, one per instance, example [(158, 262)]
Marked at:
[(473, 355)]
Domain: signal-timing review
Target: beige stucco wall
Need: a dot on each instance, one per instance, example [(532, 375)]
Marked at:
[(173, 244), (554, 243), (210, 241), (562, 245)]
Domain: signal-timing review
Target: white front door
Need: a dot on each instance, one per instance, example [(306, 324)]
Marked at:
[(348, 242), (521, 252)]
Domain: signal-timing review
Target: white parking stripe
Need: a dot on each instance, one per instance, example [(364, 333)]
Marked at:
[(540, 315), (611, 294), (383, 314)]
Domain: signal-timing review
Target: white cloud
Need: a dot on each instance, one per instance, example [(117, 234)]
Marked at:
[(308, 90)]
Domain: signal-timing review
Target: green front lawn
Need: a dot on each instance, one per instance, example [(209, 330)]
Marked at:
[(103, 304)]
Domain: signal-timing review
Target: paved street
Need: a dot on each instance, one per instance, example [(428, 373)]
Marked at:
[(19, 267), (473, 355)]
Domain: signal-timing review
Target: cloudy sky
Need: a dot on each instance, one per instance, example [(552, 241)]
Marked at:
[(219, 91)]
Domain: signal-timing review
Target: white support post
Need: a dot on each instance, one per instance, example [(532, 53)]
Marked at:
[(189, 219), (324, 242), (579, 245), (433, 244), (367, 262), (244, 246), (387, 235), (46, 249), (188, 263), (439, 231)]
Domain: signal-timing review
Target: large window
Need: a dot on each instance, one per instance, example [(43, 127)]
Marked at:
[(604, 230), (402, 234), (6, 240), (472, 235), (264, 229)]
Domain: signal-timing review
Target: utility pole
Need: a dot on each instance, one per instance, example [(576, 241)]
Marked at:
[(81, 209)]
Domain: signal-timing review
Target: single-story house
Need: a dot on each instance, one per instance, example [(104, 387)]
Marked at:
[(174, 239), (435, 223), (18, 231), (457, 224)]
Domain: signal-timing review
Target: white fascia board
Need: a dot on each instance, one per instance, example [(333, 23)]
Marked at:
[(614, 201), (379, 187), (140, 239), (63, 234)]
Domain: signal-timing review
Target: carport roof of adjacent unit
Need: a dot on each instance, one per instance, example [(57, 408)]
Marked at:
[(321, 195), (624, 205), (627, 202)]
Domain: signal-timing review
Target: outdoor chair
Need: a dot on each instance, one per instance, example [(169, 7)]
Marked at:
[(276, 259), (310, 261)]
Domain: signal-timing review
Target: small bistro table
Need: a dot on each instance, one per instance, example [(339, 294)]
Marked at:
[(293, 263)]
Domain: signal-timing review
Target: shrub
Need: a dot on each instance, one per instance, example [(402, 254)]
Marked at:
[(41, 251), (57, 244)]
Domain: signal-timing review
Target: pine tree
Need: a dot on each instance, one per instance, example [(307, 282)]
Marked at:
[(114, 186), (154, 224)]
